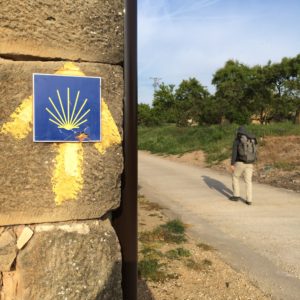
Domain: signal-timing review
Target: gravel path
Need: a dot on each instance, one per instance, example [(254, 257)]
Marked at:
[(261, 240)]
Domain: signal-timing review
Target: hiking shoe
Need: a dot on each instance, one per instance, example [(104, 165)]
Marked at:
[(234, 198), (248, 202)]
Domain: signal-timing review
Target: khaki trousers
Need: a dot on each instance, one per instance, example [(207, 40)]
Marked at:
[(246, 170)]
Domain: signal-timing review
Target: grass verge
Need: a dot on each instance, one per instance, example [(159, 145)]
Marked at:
[(152, 269), (215, 141), (153, 263), (171, 232), (177, 253)]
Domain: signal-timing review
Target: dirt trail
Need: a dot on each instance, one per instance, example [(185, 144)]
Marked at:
[(261, 240)]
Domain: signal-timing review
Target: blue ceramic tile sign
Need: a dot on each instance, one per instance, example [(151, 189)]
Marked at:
[(66, 108)]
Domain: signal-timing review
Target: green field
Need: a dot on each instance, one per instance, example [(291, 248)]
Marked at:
[(215, 141)]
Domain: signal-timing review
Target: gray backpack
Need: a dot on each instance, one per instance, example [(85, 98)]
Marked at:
[(247, 149)]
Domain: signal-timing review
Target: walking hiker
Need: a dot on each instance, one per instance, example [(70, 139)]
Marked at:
[(243, 157)]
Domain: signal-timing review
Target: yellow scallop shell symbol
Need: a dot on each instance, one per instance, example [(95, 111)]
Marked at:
[(67, 118)]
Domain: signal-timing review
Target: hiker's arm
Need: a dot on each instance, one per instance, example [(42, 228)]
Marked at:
[(234, 152)]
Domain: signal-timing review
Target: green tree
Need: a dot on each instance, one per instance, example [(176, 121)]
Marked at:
[(277, 74), (146, 116), (191, 98), (211, 111), (233, 92), (284, 79), (164, 103), (260, 93), (292, 87)]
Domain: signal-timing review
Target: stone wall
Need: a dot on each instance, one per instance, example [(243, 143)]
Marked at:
[(78, 260), (56, 240), (89, 30), (28, 185)]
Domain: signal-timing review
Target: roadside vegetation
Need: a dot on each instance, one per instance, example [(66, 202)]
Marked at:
[(174, 266), (215, 140), (188, 117), (154, 262), (161, 245)]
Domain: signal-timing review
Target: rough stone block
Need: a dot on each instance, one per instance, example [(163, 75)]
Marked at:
[(8, 250), (90, 30), (30, 172), (79, 260), (9, 286)]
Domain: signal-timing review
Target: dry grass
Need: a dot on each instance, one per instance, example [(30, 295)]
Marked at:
[(203, 265), (205, 247), (284, 149), (151, 206)]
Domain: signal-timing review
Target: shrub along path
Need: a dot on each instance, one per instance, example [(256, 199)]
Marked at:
[(261, 240)]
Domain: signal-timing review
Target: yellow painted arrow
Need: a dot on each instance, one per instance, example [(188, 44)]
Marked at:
[(67, 178)]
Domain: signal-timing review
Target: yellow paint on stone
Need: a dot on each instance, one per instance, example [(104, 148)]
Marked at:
[(21, 124), (109, 130), (70, 69), (21, 120), (67, 179)]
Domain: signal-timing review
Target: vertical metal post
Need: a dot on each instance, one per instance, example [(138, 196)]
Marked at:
[(124, 219)]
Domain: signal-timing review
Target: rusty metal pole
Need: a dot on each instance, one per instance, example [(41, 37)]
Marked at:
[(124, 219)]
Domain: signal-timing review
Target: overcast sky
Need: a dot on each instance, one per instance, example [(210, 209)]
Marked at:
[(193, 38)]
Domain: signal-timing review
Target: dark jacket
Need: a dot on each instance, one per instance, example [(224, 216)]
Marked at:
[(235, 155)]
